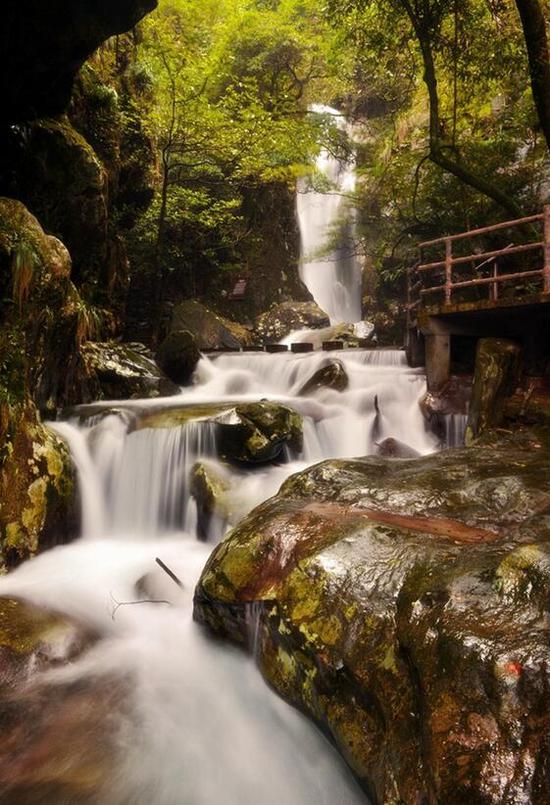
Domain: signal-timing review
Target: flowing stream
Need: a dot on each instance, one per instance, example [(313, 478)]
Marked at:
[(198, 726), (201, 727)]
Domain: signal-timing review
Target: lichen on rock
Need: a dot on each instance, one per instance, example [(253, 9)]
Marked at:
[(404, 608)]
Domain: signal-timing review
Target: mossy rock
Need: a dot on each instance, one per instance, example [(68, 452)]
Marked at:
[(287, 317), (332, 376), (125, 371), (178, 356), (404, 607), (253, 433)]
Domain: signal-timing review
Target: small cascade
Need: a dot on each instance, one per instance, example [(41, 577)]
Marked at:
[(455, 429), (329, 267)]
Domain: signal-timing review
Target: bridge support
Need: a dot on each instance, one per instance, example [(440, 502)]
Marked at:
[(438, 360)]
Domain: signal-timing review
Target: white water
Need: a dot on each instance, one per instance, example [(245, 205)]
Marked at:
[(202, 727), (329, 266)]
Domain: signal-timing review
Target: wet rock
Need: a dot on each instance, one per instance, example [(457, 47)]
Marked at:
[(332, 376), (496, 376), (405, 608), (178, 356), (209, 330), (125, 371), (287, 317), (210, 489), (58, 741), (393, 448), (37, 488), (254, 433)]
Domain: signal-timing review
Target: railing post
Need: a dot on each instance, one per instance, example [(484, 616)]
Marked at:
[(493, 287), (546, 273), (448, 269)]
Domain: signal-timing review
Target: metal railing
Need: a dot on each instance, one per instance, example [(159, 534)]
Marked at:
[(446, 269)]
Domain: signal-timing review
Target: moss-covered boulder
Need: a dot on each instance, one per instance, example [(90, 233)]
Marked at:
[(287, 317), (405, 608), (210, 331), (178, 356), (122, 371), (255, 433), (37, 487), (331, 375), (496, 376)]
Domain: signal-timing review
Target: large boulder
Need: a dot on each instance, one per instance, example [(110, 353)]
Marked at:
[(121, 371), (44, 45), (287, 317), (496, 376), (178, 356), (209, 330), (255, 433), (405, 608), (331, 375)]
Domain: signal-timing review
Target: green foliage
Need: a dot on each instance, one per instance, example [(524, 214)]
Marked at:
[(231, 82)]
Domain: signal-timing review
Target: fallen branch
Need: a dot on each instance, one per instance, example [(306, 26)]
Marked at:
[(132, 603), (170, 573)]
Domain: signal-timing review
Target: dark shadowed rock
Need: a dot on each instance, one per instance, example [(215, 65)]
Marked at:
[(405, 607), (393, 448), (496, 376), (44, 44), (332, 376), (281, 320), (178, 356)]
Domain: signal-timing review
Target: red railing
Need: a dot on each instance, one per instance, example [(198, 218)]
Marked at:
[(445, 269)]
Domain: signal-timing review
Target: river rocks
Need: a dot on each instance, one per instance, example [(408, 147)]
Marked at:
[(178, 356), (405, 608), (58, 741), (210, 331), (287, 317), (393, 448), (125, 371), (496, 375), (254, 433), (332, 376), (210, 490)]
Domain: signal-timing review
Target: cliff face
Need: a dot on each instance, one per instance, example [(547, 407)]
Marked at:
[(76, 169), (43, 45)]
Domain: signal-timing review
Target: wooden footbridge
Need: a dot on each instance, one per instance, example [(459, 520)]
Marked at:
[(493, 281)]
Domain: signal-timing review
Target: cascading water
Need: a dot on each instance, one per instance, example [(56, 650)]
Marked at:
[(329, 267)]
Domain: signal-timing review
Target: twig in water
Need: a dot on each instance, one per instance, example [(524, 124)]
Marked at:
[(167, 570), (131, 603)]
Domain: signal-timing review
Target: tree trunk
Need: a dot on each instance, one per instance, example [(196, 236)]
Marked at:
[(536, 40), (438, 147)]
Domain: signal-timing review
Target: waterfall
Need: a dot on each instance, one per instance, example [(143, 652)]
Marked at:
[(199, 725), (329, 267)]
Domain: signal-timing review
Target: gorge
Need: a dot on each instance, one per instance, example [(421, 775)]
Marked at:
[(251, 550)]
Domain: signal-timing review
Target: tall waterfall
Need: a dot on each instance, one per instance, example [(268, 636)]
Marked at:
[(329, 267)]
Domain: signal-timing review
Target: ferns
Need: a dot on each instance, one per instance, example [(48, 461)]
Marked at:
[(88, 319), (23, 268)]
